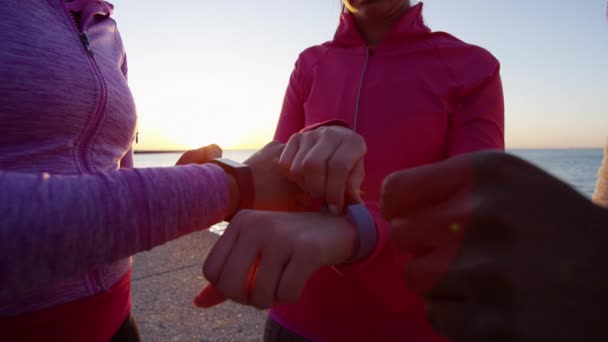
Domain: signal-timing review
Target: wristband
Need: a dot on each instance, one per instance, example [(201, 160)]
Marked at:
[(362, 220), (244, 180), (334, 122)]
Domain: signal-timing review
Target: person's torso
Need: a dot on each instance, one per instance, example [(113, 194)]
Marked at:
[(64, 110), (399, 97), (398, 101)]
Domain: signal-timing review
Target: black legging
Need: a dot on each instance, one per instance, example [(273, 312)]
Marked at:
[(127, 332), (274, 332)]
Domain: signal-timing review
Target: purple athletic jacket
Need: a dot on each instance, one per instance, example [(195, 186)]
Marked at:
[(72, 210)]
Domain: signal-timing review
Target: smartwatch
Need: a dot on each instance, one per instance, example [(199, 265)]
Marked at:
[(244, 180)]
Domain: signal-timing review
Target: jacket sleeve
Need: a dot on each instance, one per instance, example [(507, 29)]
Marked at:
[(477, 123), (56, 226)]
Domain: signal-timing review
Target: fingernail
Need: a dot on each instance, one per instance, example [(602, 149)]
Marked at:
[(209, 297), (199, 301), (334, 209)]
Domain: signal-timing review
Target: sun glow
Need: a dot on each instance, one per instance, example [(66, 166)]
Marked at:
[(190, 107)]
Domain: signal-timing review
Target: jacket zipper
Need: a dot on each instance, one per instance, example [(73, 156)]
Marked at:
[(103, 98), (94, 278), (368, 54)]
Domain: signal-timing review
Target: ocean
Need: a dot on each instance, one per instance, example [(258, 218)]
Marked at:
[(577, 167)]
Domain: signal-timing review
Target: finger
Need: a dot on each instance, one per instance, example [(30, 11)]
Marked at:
[(214, 263), (339, 168), (449, 317), (355, 181), (295, 276), (296, 171), (425, 271), (314, 165), (272, 263), (209, 297), (233, 282), (200, 155), (466, 320), (270, 153), (480, 277), (408, 191), (289, 153), (441, 226), (448, 263)]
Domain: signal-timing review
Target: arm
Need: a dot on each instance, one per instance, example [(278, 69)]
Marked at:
[(292, 116), (524, 237), (477, 122), (56, 226)]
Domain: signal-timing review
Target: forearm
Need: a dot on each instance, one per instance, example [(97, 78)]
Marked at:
[(55, 226)]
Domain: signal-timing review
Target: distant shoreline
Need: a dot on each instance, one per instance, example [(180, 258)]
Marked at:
[(159, 151), (508, 149), (179, 151)]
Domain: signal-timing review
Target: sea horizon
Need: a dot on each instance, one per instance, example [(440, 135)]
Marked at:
[(507, 149)]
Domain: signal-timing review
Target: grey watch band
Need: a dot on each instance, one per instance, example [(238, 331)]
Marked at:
[(360, 217)]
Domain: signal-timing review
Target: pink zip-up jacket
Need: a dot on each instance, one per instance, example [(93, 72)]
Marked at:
[(418, 98), (72, 210)]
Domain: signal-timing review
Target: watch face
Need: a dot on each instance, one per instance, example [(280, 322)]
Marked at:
[(231, 163)]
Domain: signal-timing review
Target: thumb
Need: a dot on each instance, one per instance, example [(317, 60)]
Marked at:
[(214, 151), (200, 155), (209, 297), (355, 180)]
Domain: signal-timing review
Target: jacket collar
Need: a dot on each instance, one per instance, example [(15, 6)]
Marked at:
[(410, 24), (88, 9)]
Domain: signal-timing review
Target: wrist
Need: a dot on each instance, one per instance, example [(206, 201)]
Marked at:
[(349, 239), (240, 185), (365, 229)]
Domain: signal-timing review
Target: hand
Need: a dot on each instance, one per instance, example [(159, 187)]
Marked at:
[(266, 258), (200, 156), (273, 191), (327, 163), (502, 251)]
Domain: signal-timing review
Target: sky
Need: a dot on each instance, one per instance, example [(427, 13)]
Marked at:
[(207, 72)]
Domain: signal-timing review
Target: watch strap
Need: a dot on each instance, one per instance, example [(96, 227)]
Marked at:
[(362, 220), (244, 179)]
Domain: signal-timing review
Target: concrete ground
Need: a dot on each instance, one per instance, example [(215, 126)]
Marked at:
[(164, 283)]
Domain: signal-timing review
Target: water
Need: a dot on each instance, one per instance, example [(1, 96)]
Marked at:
[(169, 159), (576, 167)]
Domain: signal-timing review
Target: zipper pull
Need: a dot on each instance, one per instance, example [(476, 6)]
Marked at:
[(84, 39)]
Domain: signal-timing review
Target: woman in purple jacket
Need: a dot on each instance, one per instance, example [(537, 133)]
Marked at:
[(72, 208)]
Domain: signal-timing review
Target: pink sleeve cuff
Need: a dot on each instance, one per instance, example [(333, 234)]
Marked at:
[(325, 123)]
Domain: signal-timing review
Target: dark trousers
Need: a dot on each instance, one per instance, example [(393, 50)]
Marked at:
[(127, 332), (274, 332)]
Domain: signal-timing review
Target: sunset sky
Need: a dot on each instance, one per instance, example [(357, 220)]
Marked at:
[(215, 71)]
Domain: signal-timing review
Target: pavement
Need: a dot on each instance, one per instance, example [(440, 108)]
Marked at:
[(166, 279)]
